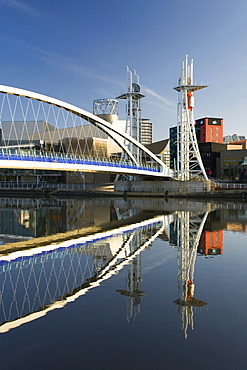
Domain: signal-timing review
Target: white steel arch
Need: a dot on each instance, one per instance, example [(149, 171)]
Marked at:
[(97, 121)]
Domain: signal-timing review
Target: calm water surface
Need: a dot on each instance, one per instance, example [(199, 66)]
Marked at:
[(163, 287)]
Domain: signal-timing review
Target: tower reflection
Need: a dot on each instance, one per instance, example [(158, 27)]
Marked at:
[(186, 231)]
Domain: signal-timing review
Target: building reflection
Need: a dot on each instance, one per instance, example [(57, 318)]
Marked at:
[(30, 218), (211, 242)]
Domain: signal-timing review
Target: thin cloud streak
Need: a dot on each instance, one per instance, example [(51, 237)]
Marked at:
[(159, 105), (68, 64), (21, 6), (159, 97), (157, 264)]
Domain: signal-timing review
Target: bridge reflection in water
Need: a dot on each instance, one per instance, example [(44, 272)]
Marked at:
[(41, 277), (34, 282)]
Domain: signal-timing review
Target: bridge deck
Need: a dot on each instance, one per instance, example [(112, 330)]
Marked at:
[(9, 158)]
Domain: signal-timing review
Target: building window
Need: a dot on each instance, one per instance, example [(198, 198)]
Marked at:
[(211, 239), (217, 238), (211, 134), (217, 134)]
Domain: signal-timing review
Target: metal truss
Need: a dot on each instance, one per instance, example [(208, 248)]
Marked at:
[(189, 162), (133, 110)]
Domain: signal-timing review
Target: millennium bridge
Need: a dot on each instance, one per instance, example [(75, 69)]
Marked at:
[(39, 132), (42, 133)]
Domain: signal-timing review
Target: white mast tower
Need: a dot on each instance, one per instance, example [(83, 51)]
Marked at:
[(189, 162), (133, 119)]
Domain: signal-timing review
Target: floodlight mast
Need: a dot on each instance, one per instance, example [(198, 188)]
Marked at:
[(189, 162)]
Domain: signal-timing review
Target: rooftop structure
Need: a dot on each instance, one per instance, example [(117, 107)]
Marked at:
[(106, 109), (233, 137), (159, 148)]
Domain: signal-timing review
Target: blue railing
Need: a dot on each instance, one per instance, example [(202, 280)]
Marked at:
[(38, 156)]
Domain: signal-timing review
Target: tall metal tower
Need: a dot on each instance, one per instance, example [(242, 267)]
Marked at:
[(189, 162), (133, 109)]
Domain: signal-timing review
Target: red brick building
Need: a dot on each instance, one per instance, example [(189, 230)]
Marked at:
[(209, 129)]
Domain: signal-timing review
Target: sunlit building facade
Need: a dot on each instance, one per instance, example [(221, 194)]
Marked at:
[(209, 130), (146, 131)]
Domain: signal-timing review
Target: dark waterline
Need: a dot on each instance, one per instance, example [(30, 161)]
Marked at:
[(162, 284)]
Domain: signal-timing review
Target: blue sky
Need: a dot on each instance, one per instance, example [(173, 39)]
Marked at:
[(77, 51)]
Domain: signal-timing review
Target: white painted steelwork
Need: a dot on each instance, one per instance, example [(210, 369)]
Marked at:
[(106, 127), (189, 162), (86, 167), (105, 107), (133, 109)]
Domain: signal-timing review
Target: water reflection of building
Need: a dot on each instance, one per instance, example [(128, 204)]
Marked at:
[(21, 218), (236, 226), (232, 219), (211, 243), (29, 222)]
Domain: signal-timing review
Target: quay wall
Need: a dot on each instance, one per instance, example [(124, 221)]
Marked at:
[(166, 188)]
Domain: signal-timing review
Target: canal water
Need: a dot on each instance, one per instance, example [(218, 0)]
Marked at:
[(122, 284)]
